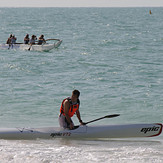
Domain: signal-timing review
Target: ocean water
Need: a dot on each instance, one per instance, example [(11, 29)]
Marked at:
[(114, 56)]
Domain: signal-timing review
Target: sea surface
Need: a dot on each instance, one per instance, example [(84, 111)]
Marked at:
[(114, 56)]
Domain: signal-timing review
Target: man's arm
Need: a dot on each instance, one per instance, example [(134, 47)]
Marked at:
[(66, 110), (79, 117)]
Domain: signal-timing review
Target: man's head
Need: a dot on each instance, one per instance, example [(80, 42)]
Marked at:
[(75, 95)]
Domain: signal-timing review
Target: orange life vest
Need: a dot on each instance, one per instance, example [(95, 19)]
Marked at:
[(73, 107)]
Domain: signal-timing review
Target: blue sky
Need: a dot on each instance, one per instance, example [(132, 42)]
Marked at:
[(81, 3)]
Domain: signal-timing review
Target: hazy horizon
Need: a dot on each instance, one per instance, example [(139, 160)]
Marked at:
[(81, 3)]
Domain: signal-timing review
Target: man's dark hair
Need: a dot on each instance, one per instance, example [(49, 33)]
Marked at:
[(76, 92)]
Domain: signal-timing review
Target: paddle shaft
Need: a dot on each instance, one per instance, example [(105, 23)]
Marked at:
[(108, 116)]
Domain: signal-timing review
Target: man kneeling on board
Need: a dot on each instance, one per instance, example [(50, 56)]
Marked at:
[(69, 107)]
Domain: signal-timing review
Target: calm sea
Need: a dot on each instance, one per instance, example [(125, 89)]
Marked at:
[(114, 56)]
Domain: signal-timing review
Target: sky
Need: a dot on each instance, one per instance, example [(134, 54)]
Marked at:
[(81, 3)]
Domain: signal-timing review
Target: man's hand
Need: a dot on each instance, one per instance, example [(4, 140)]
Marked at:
[(82, 123), (71, 126)]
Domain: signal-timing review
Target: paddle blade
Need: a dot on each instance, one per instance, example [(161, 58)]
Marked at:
[(112, 116)]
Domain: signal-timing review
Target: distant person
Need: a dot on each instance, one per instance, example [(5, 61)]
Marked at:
[(41, 40), (13, 39), (33, 40), (9, 40), (150, 12), (26, 39), (69, 107)]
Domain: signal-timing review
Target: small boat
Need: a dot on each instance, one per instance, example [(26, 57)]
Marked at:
[(85, 131), (44, 47)]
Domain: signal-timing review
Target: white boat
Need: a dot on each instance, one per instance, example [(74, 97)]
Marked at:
[(43, 47), (103, 131)]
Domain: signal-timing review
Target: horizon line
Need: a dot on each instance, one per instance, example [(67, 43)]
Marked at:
[(80, 6)]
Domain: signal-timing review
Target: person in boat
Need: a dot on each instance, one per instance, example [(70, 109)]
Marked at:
[(33, 40), (69, 107), (26, 39), (9, 40), (41, 40), (13, 39)]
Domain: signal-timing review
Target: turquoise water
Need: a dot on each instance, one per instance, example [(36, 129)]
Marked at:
[(113, 56)]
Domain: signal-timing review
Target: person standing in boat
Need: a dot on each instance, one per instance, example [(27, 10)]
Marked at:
[(68, 108), (26, 39), (41, 40)]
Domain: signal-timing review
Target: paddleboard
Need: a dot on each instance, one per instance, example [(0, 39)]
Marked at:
[(103, 131)]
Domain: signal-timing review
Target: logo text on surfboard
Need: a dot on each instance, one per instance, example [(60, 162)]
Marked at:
[(60, 134), (145, 130)]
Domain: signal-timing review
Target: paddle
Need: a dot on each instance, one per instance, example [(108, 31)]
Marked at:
[(107, 116), (30, 47), (52, 39), (10, 45)]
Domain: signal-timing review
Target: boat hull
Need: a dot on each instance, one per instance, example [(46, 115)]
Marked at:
[(107, 131), (44, 47)]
